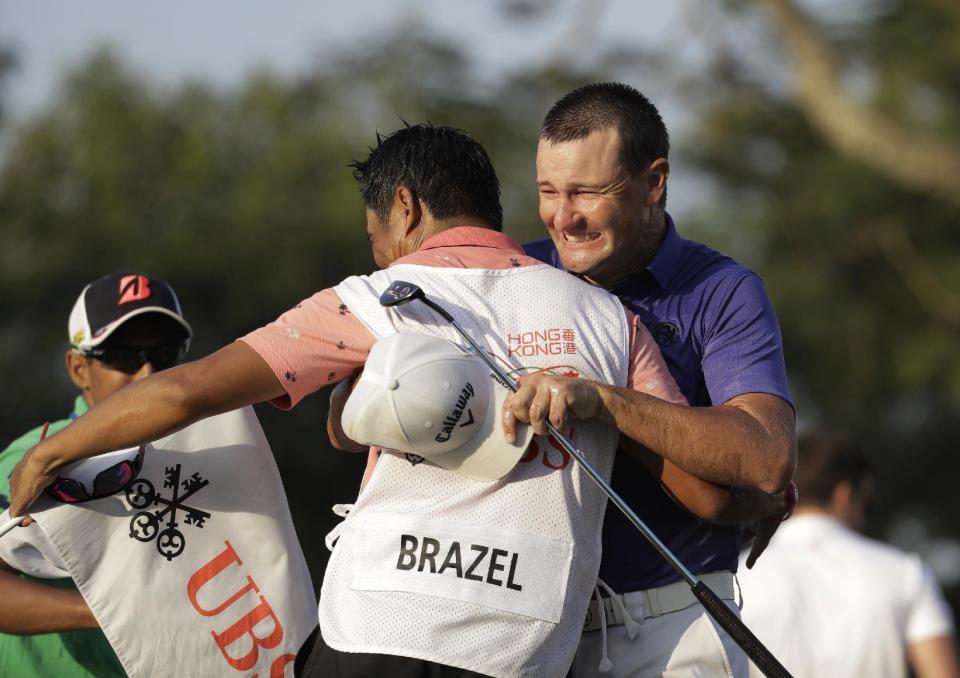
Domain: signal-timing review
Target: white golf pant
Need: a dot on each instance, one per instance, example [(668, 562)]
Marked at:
[(682, 644)]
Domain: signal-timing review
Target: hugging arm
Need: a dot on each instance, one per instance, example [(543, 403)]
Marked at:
[(706, 500), (28, 607), (146, 410), (748, 442)]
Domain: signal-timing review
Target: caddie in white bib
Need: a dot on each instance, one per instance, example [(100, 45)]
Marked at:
[(504, 554)]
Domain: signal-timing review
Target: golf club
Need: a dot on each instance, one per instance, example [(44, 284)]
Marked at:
[(400, 292)]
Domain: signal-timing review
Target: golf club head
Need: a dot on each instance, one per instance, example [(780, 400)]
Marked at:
[(400, 292)]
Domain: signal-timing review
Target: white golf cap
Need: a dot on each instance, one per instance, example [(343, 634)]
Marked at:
[(427, 396)]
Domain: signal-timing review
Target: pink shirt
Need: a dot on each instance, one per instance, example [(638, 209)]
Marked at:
[(319, 342)]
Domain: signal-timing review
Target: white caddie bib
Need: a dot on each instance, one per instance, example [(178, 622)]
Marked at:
[(490, 577)]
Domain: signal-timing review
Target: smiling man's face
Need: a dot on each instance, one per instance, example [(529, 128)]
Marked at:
[(598, 214)]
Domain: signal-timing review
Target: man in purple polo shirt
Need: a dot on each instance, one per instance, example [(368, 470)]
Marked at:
[(602, 177)]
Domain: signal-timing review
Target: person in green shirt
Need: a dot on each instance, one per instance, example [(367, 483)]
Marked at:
[(123, 327)]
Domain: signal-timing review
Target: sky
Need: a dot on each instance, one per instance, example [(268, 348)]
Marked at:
[(221, 41)]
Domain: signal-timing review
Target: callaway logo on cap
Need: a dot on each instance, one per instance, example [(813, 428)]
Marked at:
[(426, 396), (107, 303)]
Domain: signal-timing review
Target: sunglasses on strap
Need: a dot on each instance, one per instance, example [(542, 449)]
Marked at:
[(109, 481)]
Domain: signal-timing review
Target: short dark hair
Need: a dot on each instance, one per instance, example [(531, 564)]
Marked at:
[(444, 167), (600, 105), (825, 460)]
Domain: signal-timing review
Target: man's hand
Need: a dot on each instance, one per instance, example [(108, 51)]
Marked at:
[(764, 529), (543, 397), (29, 478), (338, 399)]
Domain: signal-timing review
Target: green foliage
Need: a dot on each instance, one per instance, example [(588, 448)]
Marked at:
[(863, 272), (241, 199), (8, 63)]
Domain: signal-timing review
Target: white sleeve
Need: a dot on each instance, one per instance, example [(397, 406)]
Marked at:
[(27, 549), (928, 614)]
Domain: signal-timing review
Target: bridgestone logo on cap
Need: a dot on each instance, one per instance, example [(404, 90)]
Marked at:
[(453, 418), (134, 288)]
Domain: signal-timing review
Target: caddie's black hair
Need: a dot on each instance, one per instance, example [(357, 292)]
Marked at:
[(825, 460), (442, 166), (600, 105)]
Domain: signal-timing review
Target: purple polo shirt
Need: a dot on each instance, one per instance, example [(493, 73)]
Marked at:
[(719, 336)]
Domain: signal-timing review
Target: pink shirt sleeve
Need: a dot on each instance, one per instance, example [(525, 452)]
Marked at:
[(648, 370), (316, 343)]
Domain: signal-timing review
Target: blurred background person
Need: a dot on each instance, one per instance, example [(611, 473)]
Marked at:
[(123, 327), (828, 601)]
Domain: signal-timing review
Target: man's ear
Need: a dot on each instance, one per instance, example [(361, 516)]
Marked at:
[(78, 367), (841, 499), (656, 179), (411, 211)]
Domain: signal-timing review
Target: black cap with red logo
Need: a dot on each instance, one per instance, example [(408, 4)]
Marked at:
[(107, 303)]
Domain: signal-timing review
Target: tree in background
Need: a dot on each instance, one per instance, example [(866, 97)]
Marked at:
[(242, 199), (843, 189), (815, 136), (7, 64)]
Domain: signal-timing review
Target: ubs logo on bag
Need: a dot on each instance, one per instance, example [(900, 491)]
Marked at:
[(243, 625), (145, 525)]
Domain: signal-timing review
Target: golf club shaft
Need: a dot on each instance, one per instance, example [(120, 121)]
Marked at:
[(10, 524), (711, 602), (680, 568)]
